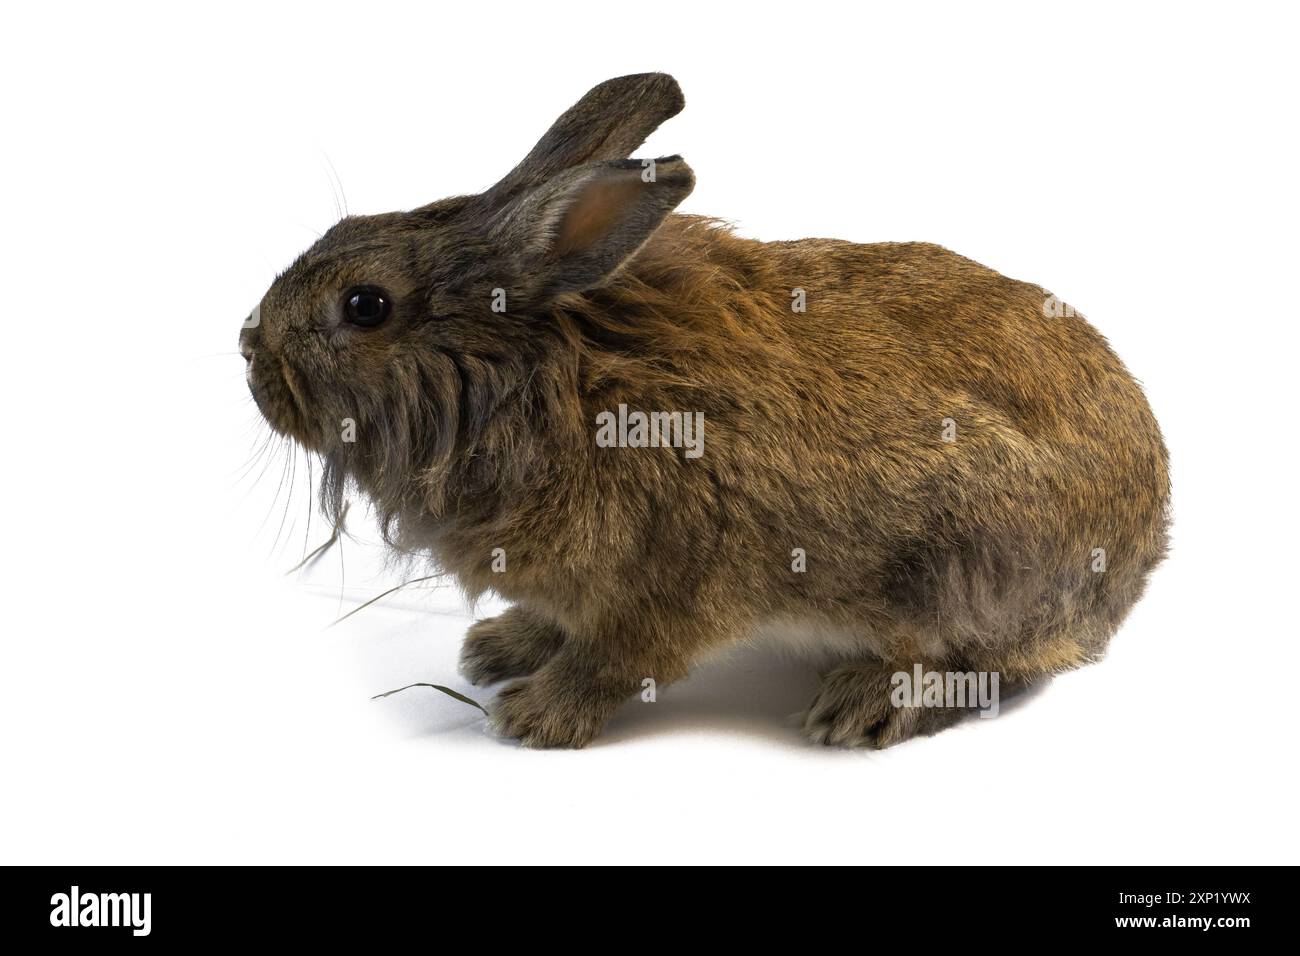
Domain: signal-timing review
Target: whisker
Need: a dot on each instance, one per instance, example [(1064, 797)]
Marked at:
[(334, 192), (256, 456), (265, 455), (284, 468), (288, 499), (339, 183), (311, 484)]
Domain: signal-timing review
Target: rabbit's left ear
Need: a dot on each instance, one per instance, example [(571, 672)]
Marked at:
[(573, 232), (609, 122)]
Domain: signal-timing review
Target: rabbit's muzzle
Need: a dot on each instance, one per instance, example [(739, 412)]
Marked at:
[(271, 387)]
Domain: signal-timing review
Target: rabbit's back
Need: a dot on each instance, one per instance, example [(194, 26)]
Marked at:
[(1032, 472)]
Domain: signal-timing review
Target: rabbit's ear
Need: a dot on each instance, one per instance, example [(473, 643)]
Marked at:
[(573, 232), (610, 122)]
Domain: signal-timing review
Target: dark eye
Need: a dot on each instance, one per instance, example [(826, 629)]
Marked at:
[(366, 307)]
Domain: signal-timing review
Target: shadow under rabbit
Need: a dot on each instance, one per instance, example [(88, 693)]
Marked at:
[(761, 690)]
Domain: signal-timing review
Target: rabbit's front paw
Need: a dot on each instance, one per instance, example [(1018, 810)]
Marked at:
[(853, 709), (512, 644), (542, 712)]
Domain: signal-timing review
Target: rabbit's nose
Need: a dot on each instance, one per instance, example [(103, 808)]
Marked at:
[(246, 350), (248, 337)]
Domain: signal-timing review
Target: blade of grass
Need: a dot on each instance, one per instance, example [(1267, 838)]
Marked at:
[(333, 540), (379, 597), (446, 690)]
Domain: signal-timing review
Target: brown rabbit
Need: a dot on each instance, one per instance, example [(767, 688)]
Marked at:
[(901, 454)]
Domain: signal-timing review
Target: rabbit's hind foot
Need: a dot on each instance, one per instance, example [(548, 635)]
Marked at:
[(876, 704)]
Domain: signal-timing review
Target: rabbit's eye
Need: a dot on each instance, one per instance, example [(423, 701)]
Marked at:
[(366, 307)]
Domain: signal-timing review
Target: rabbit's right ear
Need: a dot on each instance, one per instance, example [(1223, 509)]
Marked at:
[(609, 123), (576, 230)]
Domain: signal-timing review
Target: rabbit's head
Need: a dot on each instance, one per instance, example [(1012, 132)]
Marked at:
[(393, 336)]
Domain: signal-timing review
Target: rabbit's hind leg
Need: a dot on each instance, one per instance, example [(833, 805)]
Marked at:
[(876, 703)]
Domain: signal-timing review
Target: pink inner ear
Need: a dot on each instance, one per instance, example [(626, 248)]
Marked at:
[(596, 211)]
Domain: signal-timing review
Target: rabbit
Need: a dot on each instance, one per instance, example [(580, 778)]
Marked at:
[(905, 460)]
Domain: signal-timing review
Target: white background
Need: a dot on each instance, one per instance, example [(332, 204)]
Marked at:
[(167, 694)]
